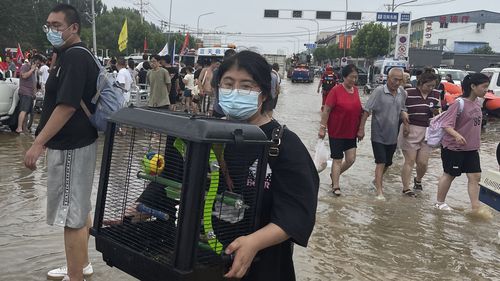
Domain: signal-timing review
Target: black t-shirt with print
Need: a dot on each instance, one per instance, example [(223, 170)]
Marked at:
[(290, 203), (72, 79)]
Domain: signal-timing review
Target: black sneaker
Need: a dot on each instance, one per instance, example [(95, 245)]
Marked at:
[(417, 185)]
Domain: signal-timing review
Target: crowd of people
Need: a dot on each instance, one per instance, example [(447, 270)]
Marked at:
[(245, 88), (401, 114)]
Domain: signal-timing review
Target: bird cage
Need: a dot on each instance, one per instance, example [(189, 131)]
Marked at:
[(175, 191)]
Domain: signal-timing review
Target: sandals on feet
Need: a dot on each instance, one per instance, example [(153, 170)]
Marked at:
[(409, 193), (417, 185), (336, 191)]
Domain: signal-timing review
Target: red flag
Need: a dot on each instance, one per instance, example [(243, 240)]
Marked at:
[(19, 54), (184, 48), (145, 44)]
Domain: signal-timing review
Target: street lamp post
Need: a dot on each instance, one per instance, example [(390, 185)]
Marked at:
[(317, 29), (198, 23), (308, 31), (217, 27), (94, 41), (345, 27)]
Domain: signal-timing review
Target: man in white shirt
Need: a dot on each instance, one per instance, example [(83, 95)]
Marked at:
[(43, 73), (124, 78)]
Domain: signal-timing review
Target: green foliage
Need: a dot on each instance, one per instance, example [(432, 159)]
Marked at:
[(22, 22), (371, 41), (330, 52), (484, 50)]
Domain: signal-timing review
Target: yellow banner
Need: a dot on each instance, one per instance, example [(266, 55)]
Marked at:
[(123, 39)]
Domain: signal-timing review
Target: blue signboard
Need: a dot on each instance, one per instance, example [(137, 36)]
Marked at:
[(387, 17), (405, 17), (310, 46)]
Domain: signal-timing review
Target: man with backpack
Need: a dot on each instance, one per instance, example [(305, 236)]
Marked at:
[(327, 82), (65, 130)]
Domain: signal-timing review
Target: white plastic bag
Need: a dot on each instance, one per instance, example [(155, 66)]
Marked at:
[(321, 155)]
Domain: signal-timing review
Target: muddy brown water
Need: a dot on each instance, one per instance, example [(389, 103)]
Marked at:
[(356, 237)]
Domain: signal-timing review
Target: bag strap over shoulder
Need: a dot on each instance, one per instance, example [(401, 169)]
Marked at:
[(92, 55), (82, 104)]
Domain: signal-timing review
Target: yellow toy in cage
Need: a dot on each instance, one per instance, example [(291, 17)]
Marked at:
[(153, 163)]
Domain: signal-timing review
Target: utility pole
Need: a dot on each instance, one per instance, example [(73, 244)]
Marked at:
[(142, 8), (94, 41), (169, 21)]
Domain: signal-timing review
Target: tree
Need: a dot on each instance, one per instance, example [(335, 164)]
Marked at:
[(22, 22), (371, 41), (485, 50)]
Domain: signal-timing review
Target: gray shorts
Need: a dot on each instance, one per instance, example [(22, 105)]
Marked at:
[(26, 103), (69, 185)]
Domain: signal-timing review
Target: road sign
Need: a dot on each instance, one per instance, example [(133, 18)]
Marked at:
[(402, 47), (387, 17), (296, 14), (310, 45), (343, 61), (323, 15), (271, 13), (353, 16), (405, 17)]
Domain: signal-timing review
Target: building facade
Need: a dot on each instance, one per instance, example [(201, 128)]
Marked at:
[(458, 32)]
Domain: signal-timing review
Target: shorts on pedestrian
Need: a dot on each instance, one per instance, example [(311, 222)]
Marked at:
[(457, 162), (415, 140), (25, 103), (383, 153), (187, 93), (339, 146), (173, 98), (69, 184)]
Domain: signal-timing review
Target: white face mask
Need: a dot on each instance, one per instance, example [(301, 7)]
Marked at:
[(238, 104)]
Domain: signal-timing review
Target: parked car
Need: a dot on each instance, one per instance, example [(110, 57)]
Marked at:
[(377, 73), (492, 98), (362, 76), (9, 104)]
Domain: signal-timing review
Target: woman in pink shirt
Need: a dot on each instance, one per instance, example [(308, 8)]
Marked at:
[(462, 139)]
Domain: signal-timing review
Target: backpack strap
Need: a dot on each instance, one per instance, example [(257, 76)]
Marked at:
[(82, 104), (274, 151)]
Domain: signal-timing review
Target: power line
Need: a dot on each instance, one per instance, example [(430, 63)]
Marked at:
[(142, 8)]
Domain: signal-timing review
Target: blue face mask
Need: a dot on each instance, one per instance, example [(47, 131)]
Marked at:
[(55, 38), (237, 105)]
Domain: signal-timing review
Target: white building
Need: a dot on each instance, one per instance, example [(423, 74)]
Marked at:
[(458, 32)]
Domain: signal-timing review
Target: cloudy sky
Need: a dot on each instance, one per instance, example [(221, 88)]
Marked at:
[(243, 22)]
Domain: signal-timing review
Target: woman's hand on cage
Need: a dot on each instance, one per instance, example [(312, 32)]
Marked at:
[(244, 250)]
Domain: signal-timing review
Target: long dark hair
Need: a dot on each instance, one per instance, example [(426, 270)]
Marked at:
[(257, 66), (473, 79)]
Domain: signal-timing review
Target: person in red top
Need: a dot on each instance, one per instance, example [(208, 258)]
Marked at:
[(327, 82), (342, 115)]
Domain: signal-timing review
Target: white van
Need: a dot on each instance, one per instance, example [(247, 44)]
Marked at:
[(494, 74), (377, 73)]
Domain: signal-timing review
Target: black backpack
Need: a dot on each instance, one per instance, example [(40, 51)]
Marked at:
[(329, 81)]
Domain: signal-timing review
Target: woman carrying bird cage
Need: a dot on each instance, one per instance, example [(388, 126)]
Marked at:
[(290, 198)]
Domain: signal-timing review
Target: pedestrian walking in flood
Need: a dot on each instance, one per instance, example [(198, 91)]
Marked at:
[(422, 104), (387, 106), (70, 139), (159, 84), (462, 139), (341, 118)]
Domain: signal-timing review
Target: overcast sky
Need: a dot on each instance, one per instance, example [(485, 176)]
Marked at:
[(269, 35)]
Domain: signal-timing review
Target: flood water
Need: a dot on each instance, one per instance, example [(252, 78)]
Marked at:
[(356, 237)]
